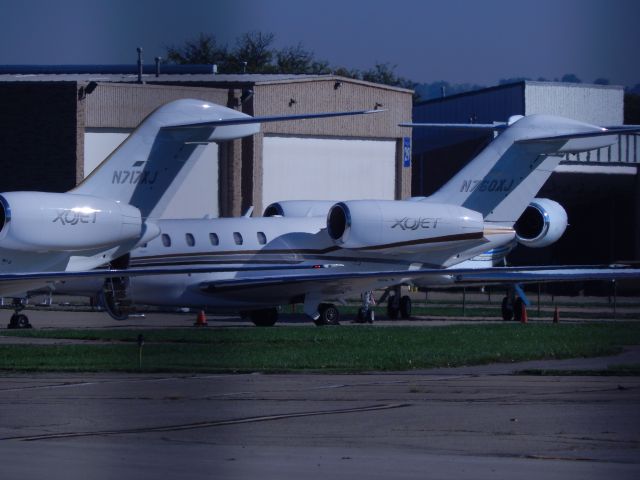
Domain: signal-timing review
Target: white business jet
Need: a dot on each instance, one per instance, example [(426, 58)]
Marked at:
[(46, 237), (362, 245)]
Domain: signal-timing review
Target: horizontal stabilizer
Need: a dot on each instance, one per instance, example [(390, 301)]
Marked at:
[(602, 133), (244, 120), (459, 126)]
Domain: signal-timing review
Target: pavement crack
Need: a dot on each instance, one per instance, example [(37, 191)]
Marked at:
[(208, 424)]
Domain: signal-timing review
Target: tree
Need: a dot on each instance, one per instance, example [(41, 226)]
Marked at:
[(253, 54), (570, 78), (204, 50), (602, 81), (298, 60), (384, 73)]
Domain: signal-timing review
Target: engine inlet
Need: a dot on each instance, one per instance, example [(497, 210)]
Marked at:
[(5, 213), (338, 220)]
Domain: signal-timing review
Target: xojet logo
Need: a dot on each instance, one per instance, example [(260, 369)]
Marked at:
[(408, 223), (75, 216)]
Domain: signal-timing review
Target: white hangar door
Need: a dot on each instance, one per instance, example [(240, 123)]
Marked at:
[(198, 193), (327, 169)]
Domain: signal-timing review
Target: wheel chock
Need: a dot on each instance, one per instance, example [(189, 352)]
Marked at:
[(523, 314)]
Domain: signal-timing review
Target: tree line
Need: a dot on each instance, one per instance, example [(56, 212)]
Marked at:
[(254, 52)]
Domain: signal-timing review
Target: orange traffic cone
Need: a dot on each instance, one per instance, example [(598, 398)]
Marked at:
[(201, 320), (556, 315), (523, 315)]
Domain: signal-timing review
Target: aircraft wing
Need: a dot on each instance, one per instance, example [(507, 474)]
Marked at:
[(547, 275), (10, 283), (335, 281)]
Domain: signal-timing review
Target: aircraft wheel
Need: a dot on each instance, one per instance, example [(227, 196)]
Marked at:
[(19, 320), (405, 307), (329, 315), (393, 307), (266, 317), (506, 309)]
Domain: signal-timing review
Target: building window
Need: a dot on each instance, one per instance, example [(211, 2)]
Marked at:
[(213, 238), (166, 240), (237, 238), (190, 240), (262, 238)]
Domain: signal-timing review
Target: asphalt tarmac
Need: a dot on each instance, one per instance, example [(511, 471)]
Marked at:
[(465, 423)]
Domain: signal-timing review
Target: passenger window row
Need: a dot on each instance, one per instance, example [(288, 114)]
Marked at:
[(214, 240)]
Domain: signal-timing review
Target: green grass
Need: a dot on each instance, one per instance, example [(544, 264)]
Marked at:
[(339, 349)]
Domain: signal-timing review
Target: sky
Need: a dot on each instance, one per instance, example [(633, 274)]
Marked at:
[(459, 41)]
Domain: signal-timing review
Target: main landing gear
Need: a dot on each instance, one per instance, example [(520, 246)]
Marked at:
[(19, 320), (399, 305)]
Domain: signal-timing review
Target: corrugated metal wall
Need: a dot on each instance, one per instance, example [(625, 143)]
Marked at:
[(600, 105), (485, 106)]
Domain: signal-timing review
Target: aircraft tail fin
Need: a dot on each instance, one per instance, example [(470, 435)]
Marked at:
[(144, 170), (505, 177)]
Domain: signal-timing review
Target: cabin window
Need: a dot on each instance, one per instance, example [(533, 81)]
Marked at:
[(262, 238), (166, 240), (190, 240), (213, 238), (237, 237)]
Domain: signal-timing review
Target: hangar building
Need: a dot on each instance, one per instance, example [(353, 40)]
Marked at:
[(599, 189), (56, 127)]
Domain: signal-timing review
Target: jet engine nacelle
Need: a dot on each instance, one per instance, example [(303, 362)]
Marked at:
[(400, 224), (299, 208), (59, 222), (542, 223)]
